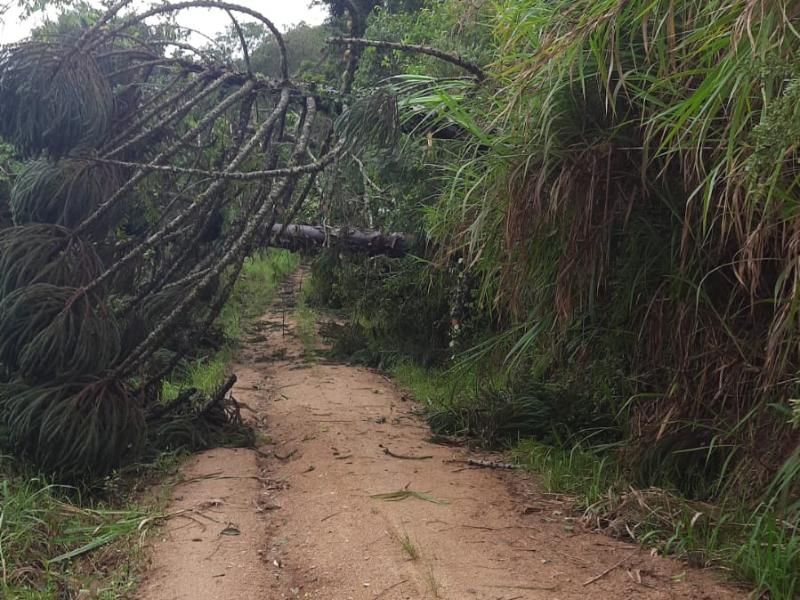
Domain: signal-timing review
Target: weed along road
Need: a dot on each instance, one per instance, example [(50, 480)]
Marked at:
[(345, 498)]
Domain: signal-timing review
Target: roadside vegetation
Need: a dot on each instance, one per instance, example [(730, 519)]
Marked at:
[(605, 280)]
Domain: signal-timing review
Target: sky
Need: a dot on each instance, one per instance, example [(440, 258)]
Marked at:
[(208, 21)]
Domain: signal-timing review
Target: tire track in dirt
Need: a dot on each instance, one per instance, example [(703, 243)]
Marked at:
[(303, 522)]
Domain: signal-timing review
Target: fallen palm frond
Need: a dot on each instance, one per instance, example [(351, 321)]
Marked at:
[(404, 494)]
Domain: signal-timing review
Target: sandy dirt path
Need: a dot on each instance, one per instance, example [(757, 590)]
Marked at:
[(297, 517)]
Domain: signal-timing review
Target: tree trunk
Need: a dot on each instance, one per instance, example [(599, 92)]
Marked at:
[(297, 237)]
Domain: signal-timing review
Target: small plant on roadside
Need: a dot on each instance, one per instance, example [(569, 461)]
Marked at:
[(408, 546), (432, 583)]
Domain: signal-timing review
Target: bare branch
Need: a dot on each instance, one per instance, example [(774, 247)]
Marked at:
[(317, 165), (243, 43), (167, 8), (479, 73)]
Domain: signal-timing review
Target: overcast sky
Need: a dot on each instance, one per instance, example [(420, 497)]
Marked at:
[(208, 21)]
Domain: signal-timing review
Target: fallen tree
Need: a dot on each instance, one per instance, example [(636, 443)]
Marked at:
[(299, 237)]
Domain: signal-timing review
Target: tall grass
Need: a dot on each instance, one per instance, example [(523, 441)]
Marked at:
[(44, 528), (626, 191)]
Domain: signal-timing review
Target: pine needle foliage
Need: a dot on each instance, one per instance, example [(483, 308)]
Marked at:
[(73, 429), (48, 254), (51, 332), (371, 121), (52, 101), (62, 192)]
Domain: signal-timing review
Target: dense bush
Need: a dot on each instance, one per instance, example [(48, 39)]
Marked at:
[(395, 307), (622, 194)]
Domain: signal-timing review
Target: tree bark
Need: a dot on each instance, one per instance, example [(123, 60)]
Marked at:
[(299, 237)]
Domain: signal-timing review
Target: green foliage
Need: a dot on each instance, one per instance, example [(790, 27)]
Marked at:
[(203, 375), (396, 307), (53, 99), (72, 429), (454, 26), (622, 191), (305, 47), (504, 412), (623, 195), (770, 555), (6, 168), (759, 546), (63, 192), (47, 529), (371, 121), (575, 471)]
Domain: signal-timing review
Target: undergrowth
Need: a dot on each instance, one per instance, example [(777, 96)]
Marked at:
[(306, 325), (59, 541), (396, 308), (757, 545)]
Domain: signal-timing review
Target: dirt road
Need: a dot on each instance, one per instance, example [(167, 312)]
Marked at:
[(298, 518)]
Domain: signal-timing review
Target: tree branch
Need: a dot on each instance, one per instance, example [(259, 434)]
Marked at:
[(317, 165), (469, 66)]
